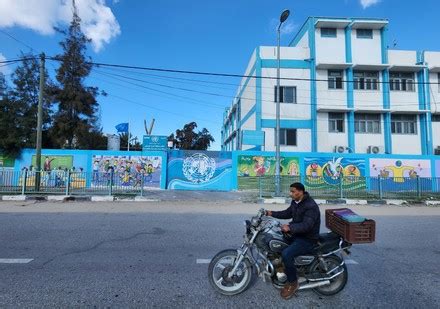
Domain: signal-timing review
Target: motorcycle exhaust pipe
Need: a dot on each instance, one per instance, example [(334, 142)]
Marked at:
[(313, 285)]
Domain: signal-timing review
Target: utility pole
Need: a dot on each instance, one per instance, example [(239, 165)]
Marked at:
[(39, 123)]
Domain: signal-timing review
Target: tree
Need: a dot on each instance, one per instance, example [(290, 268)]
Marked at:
[(26, 80), (11, 130), (134, 142), (77, 117), (190, 140)]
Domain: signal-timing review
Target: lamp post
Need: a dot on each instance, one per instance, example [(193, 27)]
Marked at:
[(283, 18)]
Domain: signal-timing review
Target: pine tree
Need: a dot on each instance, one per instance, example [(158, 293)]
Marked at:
[(188, 139), (11, 131), (77, 115), (26, 80)]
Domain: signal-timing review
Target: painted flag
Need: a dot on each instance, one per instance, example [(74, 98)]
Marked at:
[(122, 127)]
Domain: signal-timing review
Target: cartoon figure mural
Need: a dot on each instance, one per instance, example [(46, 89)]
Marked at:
[(251, 166), (399, 174), (322, 172), (129, 171)]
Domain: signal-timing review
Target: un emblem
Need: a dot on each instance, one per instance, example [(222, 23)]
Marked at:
[(198, 168)]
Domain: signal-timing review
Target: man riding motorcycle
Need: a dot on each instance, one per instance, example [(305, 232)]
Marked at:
[(304, 228)]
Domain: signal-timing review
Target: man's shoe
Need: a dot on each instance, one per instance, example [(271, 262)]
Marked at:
[(289, 290)]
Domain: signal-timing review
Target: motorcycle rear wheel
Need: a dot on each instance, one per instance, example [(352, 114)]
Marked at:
[(221, 265), (337, 284)]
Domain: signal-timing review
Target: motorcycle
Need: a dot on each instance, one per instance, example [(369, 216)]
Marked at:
[(324, 271)]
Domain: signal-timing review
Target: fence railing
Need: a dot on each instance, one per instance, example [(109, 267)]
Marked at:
[(76, 183), (348, 187)]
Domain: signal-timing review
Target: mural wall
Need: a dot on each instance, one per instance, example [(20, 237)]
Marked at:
[(129, 171), (400, 174), (265, 166), (322, 172), (6, 171), (199, 170)]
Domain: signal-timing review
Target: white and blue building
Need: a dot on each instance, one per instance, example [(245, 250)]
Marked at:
[(343, 89)]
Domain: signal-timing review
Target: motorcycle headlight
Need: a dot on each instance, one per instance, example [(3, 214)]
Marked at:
[(255, 221)]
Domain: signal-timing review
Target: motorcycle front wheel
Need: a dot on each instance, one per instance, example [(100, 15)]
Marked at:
[(222, 263)]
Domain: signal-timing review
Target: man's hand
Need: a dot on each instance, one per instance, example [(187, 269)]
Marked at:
[(285, 228), (269, 213)]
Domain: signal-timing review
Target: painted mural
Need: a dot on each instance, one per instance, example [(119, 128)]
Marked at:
[(265, 166), (129, 171), (325, 171), (399, 174), (200, 170), (6, 171), (54, 171)]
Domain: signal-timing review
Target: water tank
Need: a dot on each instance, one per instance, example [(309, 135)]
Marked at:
[(113, 142)]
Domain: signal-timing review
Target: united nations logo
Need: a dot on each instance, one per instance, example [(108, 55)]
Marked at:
[(155, 139), (198, 168)]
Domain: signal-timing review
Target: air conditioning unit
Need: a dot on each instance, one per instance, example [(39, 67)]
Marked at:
[(437, 151), (375, 149), (339, 149)]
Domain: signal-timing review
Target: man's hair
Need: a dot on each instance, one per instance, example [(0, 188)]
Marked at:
[(298, 186)]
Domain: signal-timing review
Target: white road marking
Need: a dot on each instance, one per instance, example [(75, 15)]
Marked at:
[(351, 262), (15, 261)]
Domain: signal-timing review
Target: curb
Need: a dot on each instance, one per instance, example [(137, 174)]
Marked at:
[(15, 198), (272, 200), (105, 198), (432, 203), (396, 202)]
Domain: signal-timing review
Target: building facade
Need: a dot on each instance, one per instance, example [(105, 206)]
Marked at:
[(343, 89)]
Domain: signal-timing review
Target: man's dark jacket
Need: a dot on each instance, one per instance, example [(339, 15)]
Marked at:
[(306, 218)]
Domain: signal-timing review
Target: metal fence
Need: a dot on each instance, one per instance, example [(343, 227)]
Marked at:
[(76, 183), (411, 188)]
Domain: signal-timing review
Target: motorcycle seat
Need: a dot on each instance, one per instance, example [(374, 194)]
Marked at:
[(327, 242)]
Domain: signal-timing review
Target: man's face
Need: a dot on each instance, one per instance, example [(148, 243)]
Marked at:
[(296, 194)]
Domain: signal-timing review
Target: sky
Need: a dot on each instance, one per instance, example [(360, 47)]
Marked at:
[(192, 35)]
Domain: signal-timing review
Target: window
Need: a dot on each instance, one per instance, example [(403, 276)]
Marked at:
[(336, 122), (435, 118), (400, 81), (287, 137), (403, 124), (367, 123), (366, 80), (328, 32), (335, 80), (287, 94), (438, 81), (364, 33)]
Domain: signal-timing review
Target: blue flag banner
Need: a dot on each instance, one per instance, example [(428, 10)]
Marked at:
[(122, 127)]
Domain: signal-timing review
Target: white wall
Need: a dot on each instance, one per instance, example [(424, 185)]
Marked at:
[(248, 97), (366, 51), (434, 93), (436, 134), (405, 100), (407, 143), (304, 141), (330, 98), (286, 53), (298, 111), (330, 50), (304, 42), (249, 124), (326, 140), (363, 140), (369, 99), (402, 57)]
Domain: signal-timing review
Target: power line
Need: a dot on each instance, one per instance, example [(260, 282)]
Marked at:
[(15, 39), (222, 74), (409, 103)]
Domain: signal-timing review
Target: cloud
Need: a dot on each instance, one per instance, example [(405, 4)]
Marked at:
[(287, 27), (98, 21), (367, 3), (4, 68)]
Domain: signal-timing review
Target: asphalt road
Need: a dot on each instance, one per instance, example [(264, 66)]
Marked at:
[(144, 255)]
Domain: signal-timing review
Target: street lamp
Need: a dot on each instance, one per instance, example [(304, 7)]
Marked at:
[(283, 18)]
